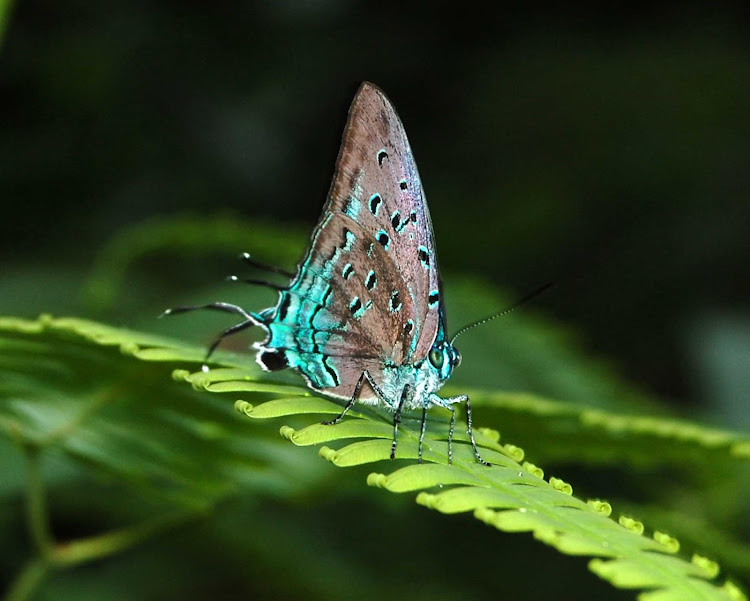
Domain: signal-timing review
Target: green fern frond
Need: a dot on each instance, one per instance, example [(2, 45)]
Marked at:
[(559, 431), (59, 389), (512, 496)]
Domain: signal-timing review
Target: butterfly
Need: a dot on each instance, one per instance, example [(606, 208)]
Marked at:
[(363, 318)]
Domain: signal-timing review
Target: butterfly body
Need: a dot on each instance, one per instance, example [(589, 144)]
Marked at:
[(363, 319)]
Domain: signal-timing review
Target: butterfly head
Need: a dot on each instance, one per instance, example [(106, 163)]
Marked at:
[(444, 357)]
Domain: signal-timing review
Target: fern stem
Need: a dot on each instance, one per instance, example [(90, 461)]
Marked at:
[(37, 517), (98, 400), (28, 580), (96, 547)]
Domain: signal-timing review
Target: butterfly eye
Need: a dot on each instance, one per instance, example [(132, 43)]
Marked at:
[(436, 358)]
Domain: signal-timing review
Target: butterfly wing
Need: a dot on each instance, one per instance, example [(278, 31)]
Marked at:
[(377, 184), (367, 295)]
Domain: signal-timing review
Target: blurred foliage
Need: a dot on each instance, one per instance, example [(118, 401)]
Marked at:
[(116, 425), (605, 148), (5, 8), (113, 420)]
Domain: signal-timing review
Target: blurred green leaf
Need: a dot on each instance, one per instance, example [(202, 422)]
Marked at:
[(6, 6), (183, 237)]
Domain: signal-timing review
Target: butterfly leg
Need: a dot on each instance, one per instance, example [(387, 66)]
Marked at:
[(228, 332), (366, 377), (397, 419), (350, 403), (423, 430), (451, 430), (471, 432), (250, 320), (448, 404)]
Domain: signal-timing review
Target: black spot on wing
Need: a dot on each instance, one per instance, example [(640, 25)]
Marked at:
[(395, 301), (316, 348), (375, 202), (331, 371), (327, 295), (395, 220), (273, 360)]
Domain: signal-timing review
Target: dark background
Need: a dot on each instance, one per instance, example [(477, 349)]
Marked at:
[(605, 149)]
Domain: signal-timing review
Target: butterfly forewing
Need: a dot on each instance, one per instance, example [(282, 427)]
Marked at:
[(377, 184), (367, 294)]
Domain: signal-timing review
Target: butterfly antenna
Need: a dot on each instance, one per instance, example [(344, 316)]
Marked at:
[(264, 266), (530, 296)]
